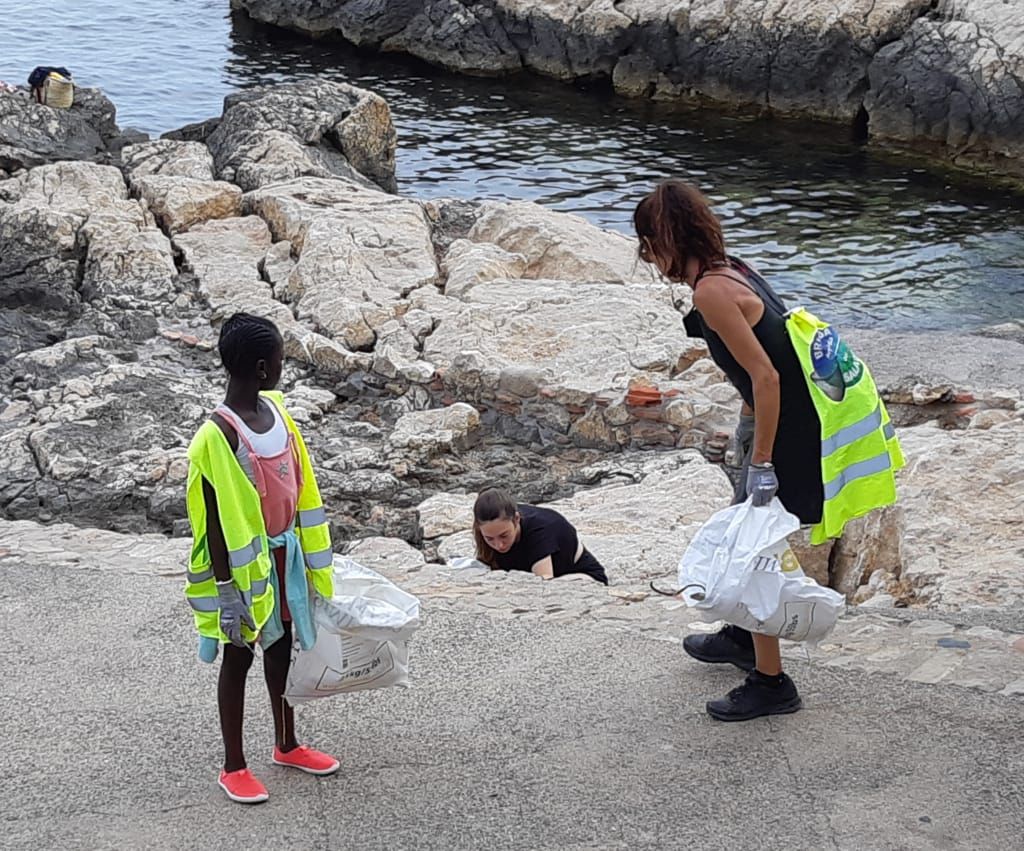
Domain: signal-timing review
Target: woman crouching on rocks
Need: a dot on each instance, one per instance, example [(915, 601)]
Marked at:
[(528, 538)]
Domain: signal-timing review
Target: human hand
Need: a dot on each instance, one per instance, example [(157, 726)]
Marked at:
[(233, 613), (762, 484)]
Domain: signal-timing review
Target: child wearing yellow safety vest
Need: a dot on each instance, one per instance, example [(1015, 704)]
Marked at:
[(260, 542)]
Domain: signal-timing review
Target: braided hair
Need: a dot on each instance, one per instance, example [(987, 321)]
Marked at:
[(244, 341)]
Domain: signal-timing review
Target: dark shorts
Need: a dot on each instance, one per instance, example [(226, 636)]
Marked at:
[(591, 567)]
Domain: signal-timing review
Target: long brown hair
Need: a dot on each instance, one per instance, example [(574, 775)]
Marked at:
[(491, 504), (676, 222)]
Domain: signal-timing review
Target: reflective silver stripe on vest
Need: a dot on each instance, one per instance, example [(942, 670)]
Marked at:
[(888, 431), (202, 576), (248, 553), (255, 590), (320, 559), (312, 517), (204, 604), (857, 471), (852, 433)]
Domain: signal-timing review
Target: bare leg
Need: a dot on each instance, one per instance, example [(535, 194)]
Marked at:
[(234, 668), (276, 661), (767, 655)]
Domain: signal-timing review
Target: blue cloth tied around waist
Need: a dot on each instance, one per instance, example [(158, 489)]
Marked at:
[(297, 593)]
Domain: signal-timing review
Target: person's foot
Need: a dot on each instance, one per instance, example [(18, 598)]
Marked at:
[(730, 644), (241, 786), (306, 759), (759, 695)]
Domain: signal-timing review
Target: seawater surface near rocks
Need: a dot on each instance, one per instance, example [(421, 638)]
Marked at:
[(945, 75)]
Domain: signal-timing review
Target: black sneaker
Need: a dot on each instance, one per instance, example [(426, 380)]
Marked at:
[(759, 695), (729, 644)]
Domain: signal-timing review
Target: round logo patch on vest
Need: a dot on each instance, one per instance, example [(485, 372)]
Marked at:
[(835, 365)]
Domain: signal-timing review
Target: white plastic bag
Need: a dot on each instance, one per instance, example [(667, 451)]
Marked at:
[(739, 569), (361, 640)]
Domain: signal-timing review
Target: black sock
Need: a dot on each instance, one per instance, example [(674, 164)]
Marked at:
[(772, 680)]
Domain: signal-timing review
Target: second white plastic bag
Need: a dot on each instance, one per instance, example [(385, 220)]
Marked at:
[(361, 640), (739, 568)]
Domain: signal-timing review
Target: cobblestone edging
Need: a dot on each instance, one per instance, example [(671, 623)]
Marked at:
[(922, 650)]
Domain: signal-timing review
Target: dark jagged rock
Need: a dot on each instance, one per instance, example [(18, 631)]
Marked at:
[(32, 134)]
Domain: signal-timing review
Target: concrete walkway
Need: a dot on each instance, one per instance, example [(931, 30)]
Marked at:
[(518, 734)]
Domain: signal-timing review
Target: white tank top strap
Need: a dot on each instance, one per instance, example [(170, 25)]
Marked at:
[(266, 444)]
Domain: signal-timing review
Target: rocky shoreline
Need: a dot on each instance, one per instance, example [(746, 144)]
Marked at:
[(433, 347), (939, 76)]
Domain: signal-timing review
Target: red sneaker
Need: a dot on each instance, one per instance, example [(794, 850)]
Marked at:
[(306, 759), (242, 787)]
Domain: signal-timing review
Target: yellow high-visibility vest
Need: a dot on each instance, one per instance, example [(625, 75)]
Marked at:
[(859, 449), (241, 518)]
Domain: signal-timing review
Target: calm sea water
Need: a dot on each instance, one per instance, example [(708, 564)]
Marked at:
[(861, 238)]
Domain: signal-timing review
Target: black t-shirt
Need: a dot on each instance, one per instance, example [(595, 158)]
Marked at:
[(548, 533)]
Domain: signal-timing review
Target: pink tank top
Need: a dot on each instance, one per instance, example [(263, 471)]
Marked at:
[(277, 477)]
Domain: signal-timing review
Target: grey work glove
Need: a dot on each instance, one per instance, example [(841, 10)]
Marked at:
[(233, 613), (762, 483)]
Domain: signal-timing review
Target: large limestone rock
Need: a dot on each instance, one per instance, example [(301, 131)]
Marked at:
[(530, 295), (359, 253), (225, 256), (637, 531), (178, 203), (953, 541), (467, 264), (438, 430), (316, 127), (559, 246), (167, 158), (104, 444), (175, 179), (560, 357), (445, 513), (957, 80), (69, 232), (389, 556), (555, 328), (32, 134)]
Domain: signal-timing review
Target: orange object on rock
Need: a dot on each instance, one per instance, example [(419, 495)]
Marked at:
[(643, 396)]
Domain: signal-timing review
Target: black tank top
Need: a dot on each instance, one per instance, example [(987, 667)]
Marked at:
[(797, 450)]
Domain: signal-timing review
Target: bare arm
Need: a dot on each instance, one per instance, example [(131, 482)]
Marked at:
[(544, 568), (215, 536), (214, 532), (720, 309)]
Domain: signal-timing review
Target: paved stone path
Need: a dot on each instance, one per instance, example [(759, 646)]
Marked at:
[(531, 726), (951, 649)]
